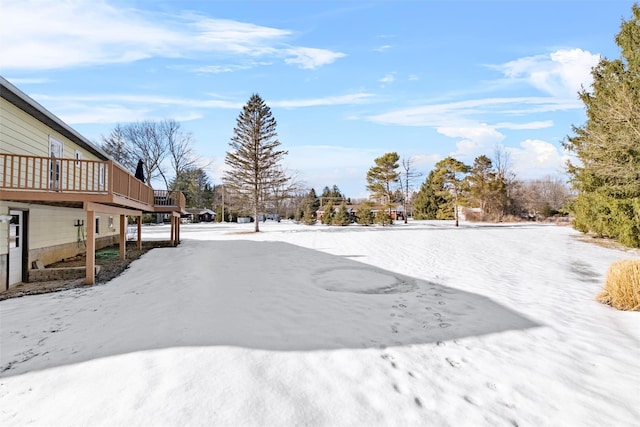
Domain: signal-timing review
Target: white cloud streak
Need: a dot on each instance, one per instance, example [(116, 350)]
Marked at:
[(116, 108), (53, 35), (351, 99), (463, 112), (309, 58)]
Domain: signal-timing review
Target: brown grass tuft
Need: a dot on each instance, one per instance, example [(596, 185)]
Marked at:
[(622, 287)]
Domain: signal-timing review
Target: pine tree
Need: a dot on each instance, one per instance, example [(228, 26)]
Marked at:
[(382, 177), (487, 188), (327, 216), (341, 217), (454, 181), (431, 197), (363, 215), (608, 175), (309, 216), (254, 158), (382, 217)]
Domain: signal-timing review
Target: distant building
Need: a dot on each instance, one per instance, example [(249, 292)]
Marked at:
[(198, 215)]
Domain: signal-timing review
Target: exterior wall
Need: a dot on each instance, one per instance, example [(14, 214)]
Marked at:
[(22, 134), (53, 235)]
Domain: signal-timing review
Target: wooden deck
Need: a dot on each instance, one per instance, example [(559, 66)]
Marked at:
[(72, 183)]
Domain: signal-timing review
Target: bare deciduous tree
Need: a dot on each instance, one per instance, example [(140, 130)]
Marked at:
[(407, 179)]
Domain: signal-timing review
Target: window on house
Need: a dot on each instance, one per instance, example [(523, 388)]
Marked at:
[(97, 225), (110, 222), (78, 158)]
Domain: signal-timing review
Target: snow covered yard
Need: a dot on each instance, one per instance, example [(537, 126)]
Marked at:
[(418, 324)]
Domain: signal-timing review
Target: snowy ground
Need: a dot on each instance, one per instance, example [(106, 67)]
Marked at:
[(420, 324)]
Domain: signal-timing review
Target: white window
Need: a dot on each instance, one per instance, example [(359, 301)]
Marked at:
[(110, 222)]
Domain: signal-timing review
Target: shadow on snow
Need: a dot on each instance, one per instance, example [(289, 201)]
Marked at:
[(258, 295)]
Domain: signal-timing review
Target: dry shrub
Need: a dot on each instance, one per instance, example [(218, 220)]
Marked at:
[(622, 287)]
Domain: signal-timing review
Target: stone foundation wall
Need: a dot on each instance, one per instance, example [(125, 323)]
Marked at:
[(63, 273)]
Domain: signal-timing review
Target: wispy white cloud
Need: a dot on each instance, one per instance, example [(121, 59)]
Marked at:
[(465, 112), (383, 48), (525, 126), (389, 78), (560, 74), (52, 35), (219, 69), (117, 108), (150, 100), (310, 58), (356, 98)]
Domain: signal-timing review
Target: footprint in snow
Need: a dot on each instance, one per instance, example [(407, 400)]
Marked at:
[(453, 363)]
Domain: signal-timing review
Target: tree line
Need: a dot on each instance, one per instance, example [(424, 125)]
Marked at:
[(605, 177)]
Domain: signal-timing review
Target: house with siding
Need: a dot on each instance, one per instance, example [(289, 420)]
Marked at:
[(61, 195)]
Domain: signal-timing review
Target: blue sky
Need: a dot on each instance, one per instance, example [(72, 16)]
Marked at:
[(347, 81)]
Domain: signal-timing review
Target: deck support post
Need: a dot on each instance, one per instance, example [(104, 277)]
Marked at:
[(173, 231), (123, 237), (90, 273)]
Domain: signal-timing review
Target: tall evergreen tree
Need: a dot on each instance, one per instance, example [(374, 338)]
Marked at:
[(255, 156), (487, 188), (310, 207), (382, 177), (608, 175), (454, 181), (432, 197)]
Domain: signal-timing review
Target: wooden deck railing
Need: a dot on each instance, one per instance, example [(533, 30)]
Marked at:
[(20, 172), (60, 175), (163, 198)]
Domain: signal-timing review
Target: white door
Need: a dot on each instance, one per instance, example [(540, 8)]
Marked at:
[(55, 152), (16, 241)]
